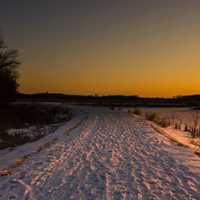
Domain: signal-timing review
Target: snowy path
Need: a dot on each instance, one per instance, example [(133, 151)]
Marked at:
[(110, 155)]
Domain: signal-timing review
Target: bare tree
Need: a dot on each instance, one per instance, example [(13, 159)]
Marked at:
[(196, 118), (8, 71), (173, 119)]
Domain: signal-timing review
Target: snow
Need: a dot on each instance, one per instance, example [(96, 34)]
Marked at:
[(178, 136), (101, 154), (183, 116), (7, 156), (31, 132)]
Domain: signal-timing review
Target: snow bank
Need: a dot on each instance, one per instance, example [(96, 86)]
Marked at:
[(178, 136), (10, 155), (33, 132)]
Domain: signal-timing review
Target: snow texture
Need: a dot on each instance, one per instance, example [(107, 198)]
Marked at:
[(104, 155)]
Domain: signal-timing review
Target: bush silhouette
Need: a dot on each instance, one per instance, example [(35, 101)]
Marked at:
[(151, 116), (8, 72)]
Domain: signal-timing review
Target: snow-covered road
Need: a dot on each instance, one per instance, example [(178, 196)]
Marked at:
[(109, 155)]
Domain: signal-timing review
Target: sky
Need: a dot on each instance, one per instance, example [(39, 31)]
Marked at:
[(106, 47)]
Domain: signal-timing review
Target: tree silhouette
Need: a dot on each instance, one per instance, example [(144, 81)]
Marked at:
[(8, 72)]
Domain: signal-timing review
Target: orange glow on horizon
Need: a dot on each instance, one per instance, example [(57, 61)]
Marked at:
[(152, 52)]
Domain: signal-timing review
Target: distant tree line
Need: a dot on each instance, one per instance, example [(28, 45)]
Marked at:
[(8, 72)]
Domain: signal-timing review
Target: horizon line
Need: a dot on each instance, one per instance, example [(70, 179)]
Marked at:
[(110, 95)]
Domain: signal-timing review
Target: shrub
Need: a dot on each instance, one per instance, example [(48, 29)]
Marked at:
[(186, 128), (151, 116), (22, 123), (177, 126), (164, 122), (137, 111), (112, 108)]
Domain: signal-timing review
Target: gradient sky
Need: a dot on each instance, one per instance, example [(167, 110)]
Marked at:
[(143, 47)]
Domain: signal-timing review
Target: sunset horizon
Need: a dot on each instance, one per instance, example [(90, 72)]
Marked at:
[(107, 94), (108, 48)]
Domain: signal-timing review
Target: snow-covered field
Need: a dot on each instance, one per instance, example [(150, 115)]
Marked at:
[(183, 124), (101, 154), (181, 115)]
